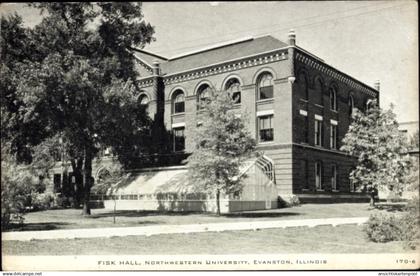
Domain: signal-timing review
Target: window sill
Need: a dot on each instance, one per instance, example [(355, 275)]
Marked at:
[(320, 190), (318, 105), (335, 191), (265, 143), (265, 101), (177, 114), (305, 190), (303, 100), (334, 110)]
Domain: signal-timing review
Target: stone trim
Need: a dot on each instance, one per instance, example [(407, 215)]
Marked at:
[(334, 73)]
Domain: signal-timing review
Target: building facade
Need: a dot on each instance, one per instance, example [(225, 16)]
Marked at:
[(298, 108)]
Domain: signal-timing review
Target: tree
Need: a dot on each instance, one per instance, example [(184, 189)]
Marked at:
[(78, 82), (381, 150), (222, 144)]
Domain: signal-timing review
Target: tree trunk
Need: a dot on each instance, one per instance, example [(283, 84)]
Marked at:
[(218, 202), (87, 182), (372, 200), (77, 166)]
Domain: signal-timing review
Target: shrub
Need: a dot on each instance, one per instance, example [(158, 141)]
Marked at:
[(383, 228), (42, 201), (16, 187), (288, 201), (410, 224)]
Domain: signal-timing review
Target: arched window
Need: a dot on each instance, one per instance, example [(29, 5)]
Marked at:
[(302, 83), (233, 87), (333, 99), (144, 101), (265, 86), (203, 95), (351, 105), (178, 102), (319, 91), (369, 104)]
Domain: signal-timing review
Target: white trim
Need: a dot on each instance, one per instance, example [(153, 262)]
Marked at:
[(333, 122), (303, 112), (178, 125), (265, 112), (318, 117)]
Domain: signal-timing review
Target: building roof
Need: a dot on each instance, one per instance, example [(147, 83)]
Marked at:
[(213, 55)]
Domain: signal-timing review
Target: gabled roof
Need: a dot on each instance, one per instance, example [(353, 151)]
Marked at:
[(221, 53)]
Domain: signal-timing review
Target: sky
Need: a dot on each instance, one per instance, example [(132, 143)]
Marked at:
[(369, 40)]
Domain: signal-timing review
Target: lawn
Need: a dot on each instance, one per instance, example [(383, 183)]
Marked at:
[(72, 219), (321, 239)]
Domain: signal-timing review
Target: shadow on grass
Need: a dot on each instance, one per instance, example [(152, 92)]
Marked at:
[(260, 214), (37, 226), (134, 214)]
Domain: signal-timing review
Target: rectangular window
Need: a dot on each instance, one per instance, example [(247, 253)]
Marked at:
[(266, 130), (179, 107), (334, 178), (179, 139), (304, 173), (318, 176), (266, 92), (318, 132), (333, 136), (352, 186), (57, 183)]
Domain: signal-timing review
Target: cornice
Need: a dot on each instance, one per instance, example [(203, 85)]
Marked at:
[(334, 73), (227, 66), (143, 64)]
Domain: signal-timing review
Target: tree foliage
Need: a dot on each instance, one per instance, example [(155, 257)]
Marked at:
[(222, 144), (381, 149), (74, 81)]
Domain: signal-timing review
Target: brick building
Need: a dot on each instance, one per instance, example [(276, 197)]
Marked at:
[(299, 107)]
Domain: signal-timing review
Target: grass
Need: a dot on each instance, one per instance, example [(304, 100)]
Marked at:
[(321, 239), (72, 219)]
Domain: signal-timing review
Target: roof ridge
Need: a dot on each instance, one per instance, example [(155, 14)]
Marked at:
[(149, 53), (213, 47)]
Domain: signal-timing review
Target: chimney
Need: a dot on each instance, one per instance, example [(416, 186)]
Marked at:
[(292, 37), (156, 68), (377, 85)]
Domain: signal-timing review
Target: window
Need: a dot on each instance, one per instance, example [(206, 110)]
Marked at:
[(203, 95), (304, 125), (319, 92), (265, 86), (368, 104), (351, 105), (318, 132), (57, 183), (266, 130), (304, 173), (333, 99), (144, 101), (352, 185), (303, 86), (318, 176), (179, 139), (233, 87), (178, 102), (333, 136), (334, 178)]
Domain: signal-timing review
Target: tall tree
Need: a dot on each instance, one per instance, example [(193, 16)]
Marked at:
[(79, 82), (380, 148), (222, 144)]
